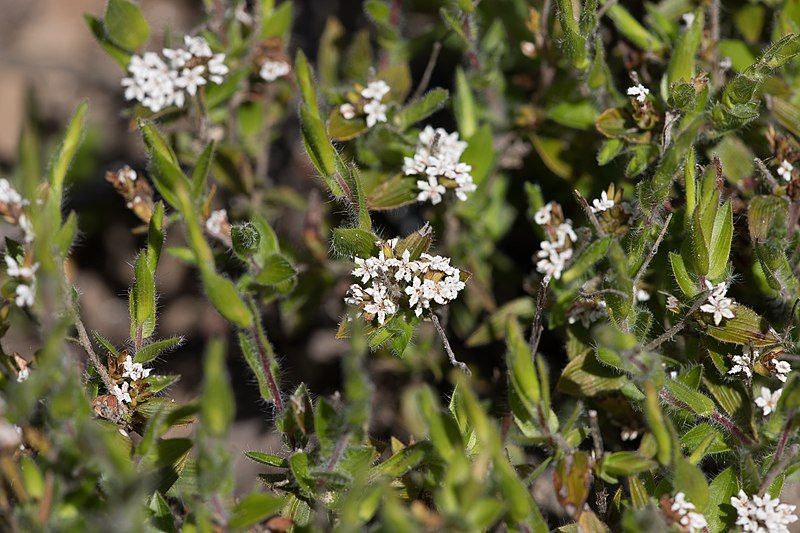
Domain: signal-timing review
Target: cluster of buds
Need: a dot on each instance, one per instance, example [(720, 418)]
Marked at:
[(159, 82), (392, 282), (762, 513), (684, 514), (137, 192), (129, 385), (22, 268), (437, 162), (368, 103), (557, 249)]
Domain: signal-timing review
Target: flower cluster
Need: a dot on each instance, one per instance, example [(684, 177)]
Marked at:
[(786, 170), (603, 203), (687, 517), (743, 364), (390, 282), (762, 514), (271, 70), (438, 162), (370, 103), (160, 82), (131, 374), (21, 269), (556, 251), (718, 304), (137, 193), (639, 92)]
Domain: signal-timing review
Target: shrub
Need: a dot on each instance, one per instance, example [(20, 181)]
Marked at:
[(646, 378)]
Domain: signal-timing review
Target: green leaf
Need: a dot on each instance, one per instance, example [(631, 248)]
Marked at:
[(406, 459), (354, 242), (494, 328), (155, 236), (421, 108), (66, 235), (96, 26), (277, 22), (202, 168), (657, 423), (464, 106), (157, 348), (319, 148), (255, 508), (479, 154), (143, 296), (682, 63), (305, 79), (721, 238), (342, 129), (217, 405), (223, 294), (580, 115), (690, 480), (298, 463), (125, 25), (60, 164), (395, 192), (257, 365), (720, 491), (591, 255), (267, 459), (747, 327), (276, 269), (697, 402), (626, 464), (629, 27), (524, 390), (682, 277)]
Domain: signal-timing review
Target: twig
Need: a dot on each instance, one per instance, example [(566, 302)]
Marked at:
[(765, 173), (426, 76), (536, 331), (715, 416), (600, 292), (652, 253), (597, 437), (777, 467), (671, 332), (266, 355), (453, 361), (83, 338), (338, 451), (589, 213)]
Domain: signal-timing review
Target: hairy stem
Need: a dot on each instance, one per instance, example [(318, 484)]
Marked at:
[(450, 354)]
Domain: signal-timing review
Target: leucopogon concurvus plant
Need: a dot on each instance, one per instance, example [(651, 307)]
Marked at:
[(589, 208)]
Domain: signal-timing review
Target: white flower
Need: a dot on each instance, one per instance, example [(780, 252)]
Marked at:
[(27, 228), (215, 223), (134, 371), (16, 270), (405, 267), (743, 363), (543, 215), (641, 295), (762, 514), (376, 112), (191, 79), (782, 368), (438, 155), (381, 304), (688, 19), (689, 518), (768, 401), (718, 305), (197, 46), (602, 204), (23, 375), (217, 68), (553, 265), (121, 393), (628, 434), (785, 170), (565, 230), (430, 190), (9, 195), (24, 295), (348, 111), (639, 91), (725, 63), (126, 174), (375, 90), (272, 70)]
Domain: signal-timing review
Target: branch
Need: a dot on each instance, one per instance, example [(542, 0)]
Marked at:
[(589, 213), (426, 76), (453, 361), (652, 253)]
